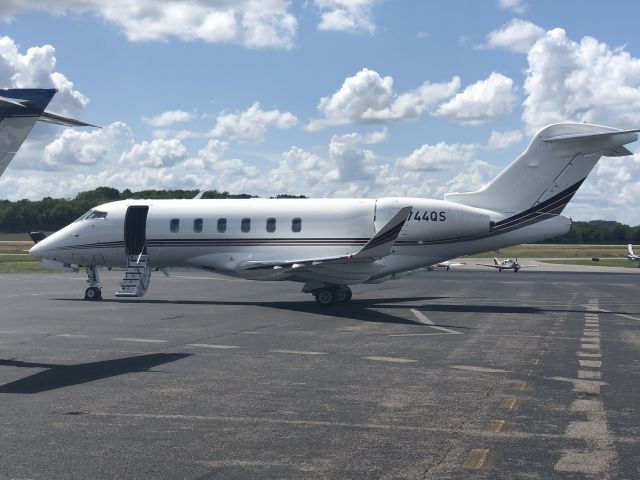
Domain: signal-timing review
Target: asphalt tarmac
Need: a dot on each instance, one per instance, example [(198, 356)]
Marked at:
[(440, 375)]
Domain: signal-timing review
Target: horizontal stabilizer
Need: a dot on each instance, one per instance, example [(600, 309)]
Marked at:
[(587, 136), (65, 121)]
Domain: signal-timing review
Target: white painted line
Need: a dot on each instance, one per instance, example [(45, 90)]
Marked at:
[(581, 385), (588, 333), (297, 352), (141, 340), (415, 334), (72, 335), (590, 363), (620, 314), (590, 339), (590, 346), (471, 368), (590, 374), (422, 318), (589, 355), (208, 345), (391, 359)]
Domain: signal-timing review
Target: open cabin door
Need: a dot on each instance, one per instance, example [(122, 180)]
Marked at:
[(135, 230)]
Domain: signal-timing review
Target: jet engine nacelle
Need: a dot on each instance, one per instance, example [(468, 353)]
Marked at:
[(435, 219)]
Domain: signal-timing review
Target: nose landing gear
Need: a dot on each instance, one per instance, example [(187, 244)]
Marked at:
[(94, 292)]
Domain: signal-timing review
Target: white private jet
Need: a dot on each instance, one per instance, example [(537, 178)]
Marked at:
[(506, 264), (632, 256), (329, 244)]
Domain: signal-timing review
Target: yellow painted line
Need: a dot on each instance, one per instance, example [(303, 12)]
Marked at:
[(496, 425), (521, 385), (510, 403), (477, 458)]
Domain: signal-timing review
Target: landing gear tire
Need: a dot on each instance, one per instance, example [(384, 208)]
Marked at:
[(343, 294), (93, 294), (325, 297)]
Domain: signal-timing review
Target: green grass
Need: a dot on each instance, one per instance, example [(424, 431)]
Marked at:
[(560, 251), (15, 247), (9, 237), (20, 264), (611, 262)]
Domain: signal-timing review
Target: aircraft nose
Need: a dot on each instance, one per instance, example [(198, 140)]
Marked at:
[(37, 250)]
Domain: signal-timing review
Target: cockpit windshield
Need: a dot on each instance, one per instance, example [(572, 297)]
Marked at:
[(91, 214)]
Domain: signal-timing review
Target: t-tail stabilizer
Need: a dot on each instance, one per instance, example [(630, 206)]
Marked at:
[(20, 109), (541, 181)]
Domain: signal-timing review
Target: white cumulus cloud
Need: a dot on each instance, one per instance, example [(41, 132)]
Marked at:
[(499, 140), (368, 97), (580, 81), (168, 118), (250, 125), (517, 6), (482, 101), (441, 156), (252, 23), (346, 15), (517, 36), (36, 69), (157, 153)]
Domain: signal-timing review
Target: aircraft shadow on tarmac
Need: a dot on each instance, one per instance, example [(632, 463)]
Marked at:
[(59, 376), (365, 310)]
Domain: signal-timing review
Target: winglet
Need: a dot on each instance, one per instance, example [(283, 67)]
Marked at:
[(37, 236), (381, 243)]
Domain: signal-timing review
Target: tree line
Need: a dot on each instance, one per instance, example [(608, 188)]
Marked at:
[(50, 214)]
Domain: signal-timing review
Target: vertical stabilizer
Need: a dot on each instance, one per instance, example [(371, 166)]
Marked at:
[(544, 178), (20, 109)]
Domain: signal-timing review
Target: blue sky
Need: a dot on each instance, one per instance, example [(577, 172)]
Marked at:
[(320, 97)]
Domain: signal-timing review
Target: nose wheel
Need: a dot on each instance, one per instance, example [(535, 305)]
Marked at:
[(93, 293)]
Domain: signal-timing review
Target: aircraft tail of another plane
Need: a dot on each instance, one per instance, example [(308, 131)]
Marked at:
[(630, 250), (20, 109), (542, 180), (495, 261)]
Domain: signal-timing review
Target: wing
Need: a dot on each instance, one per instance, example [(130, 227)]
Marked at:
[(378, 246), (488, 265)]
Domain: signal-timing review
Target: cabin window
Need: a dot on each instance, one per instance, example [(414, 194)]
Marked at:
[(174, 225), (271, 225), (296, 225), (222, 225), (197, 225), (245, 225)]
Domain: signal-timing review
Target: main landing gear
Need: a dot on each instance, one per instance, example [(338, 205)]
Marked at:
[(330, 294), (94, 292)]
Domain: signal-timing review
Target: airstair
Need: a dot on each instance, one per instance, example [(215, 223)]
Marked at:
[(136, 278)]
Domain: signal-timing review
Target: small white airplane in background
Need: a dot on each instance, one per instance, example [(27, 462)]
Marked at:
[(328, 244), (506, 264), (632, 256), (447, 264)]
